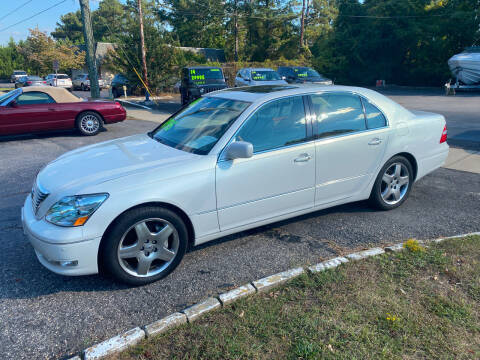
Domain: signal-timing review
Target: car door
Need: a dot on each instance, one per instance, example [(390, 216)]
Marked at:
[(279, 178), (31, 111), (350, 143)]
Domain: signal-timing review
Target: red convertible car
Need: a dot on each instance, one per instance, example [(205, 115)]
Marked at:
[(43, 108)]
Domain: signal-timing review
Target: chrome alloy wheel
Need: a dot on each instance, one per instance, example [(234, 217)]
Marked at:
[(148, 247), (395, 182), (90, 123)]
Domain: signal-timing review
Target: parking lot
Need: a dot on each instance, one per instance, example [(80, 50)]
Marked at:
[(43, 315)]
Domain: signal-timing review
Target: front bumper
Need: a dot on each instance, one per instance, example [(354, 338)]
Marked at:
[(64, 255)]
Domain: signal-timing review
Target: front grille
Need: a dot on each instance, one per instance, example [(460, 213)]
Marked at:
[(38, 195)]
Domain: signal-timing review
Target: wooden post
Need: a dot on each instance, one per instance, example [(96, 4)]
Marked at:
[(302, 24), (142, 45), (236, 31), (90, 45)]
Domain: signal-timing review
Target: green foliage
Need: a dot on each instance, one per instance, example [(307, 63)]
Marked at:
[(40, 50), (351, 41), (406, 42), (11, 60)]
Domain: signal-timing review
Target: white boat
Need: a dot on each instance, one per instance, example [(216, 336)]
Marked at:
[(465, 66)]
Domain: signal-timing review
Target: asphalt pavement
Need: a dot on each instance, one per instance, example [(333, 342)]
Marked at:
[(43, 315)]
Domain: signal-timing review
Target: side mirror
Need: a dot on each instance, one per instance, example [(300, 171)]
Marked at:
[(239, 150)]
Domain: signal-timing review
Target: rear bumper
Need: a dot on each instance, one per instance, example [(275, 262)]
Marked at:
[(78, 257), (433, 162)]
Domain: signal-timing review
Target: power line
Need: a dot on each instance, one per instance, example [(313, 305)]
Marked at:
[(34, 15), (18, 8)]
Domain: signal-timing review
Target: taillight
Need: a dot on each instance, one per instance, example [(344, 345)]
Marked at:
[(44, 82), (29, 82), (444, 134)]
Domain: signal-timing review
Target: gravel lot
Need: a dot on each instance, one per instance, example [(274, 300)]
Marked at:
[(43, 315)]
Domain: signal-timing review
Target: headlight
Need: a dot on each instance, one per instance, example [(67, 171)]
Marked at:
[(74, 210)]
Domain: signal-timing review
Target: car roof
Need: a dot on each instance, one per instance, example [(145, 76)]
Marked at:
[(257, 69), (60, 95), (263, 93)]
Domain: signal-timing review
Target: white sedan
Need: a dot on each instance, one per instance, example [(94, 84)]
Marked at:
[(230, 161)]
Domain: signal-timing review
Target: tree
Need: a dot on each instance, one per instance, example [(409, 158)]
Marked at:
[(69, 28), (107, 21), (40, 50), (11, 60)]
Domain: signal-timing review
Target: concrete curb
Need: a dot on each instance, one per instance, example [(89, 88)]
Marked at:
[(235, 294), (277, 279), (195, 311), (164, 324), (114, 345), (130, 338)]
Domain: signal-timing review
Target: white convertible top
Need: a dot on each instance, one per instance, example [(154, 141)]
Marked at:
[(60, 95)]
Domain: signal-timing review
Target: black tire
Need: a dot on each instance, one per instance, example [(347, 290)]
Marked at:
[(82, 87), (109, 258), (89, 123), (376, 198), (114, 93)]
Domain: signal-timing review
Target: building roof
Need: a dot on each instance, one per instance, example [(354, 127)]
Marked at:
[(209, 53)]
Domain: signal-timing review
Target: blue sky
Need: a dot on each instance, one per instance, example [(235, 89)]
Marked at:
[(45, 21)]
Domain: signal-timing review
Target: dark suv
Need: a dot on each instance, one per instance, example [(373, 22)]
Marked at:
[(199, 80), (302, 74), (117, 86)]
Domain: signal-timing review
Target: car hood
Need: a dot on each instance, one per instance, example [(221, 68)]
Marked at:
[(95, 164)]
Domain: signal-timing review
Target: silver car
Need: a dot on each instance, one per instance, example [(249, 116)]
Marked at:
[(258, 76)]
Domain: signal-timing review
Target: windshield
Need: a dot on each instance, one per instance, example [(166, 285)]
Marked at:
[(199, 126), (265, 75), (198, 76), (306, 72), (9, 95)]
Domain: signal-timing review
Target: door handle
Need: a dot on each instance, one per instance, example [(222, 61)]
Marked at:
[(375, 141), (51, 109), (303, 158)]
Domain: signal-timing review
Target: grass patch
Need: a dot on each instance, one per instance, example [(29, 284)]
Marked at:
[(415, 304)]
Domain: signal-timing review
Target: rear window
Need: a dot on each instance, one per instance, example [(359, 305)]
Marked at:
[(265, 75), (200, 75), (19, 73), (35, 78), (62, 76)]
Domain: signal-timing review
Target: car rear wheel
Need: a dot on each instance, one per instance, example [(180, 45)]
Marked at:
[(144, 245), (393, 184), (89, 123), (115, 93), (82, 87)]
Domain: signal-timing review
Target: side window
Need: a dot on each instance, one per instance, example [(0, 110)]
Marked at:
[(338, 114), (276, 124), (33, 98), (375, 118)]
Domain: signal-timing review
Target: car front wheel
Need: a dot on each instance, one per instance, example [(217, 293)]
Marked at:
[(393, 184), (144, 245), (89, 123)]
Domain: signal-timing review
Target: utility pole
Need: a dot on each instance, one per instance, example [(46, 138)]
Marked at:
[(90, 45), (142, 45), (302, 24), (236, 31)]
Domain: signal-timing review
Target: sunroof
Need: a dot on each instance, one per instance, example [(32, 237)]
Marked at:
[(263, 89)]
